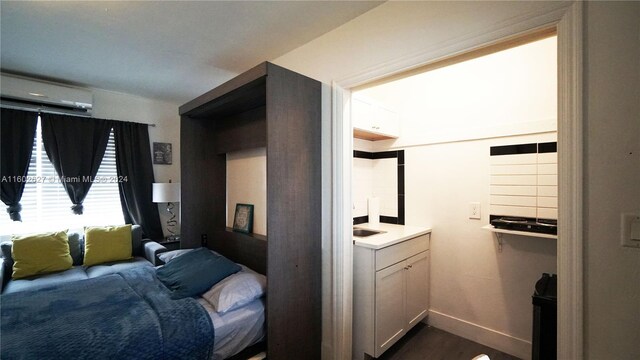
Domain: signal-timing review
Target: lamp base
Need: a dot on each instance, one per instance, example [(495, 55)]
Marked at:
[(173, 238), (171, 222)]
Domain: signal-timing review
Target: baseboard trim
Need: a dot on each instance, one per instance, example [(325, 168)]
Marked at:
[(480, 334)]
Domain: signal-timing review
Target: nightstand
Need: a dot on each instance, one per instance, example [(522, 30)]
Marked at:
[(171, 242)]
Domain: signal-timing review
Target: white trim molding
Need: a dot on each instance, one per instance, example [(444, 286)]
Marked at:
[(342, 276), (498, 340), (570, 185), (567, 18)]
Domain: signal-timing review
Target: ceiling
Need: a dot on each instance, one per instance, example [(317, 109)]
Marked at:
[(172, 51)]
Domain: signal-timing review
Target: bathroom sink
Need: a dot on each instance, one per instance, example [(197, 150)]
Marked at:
[(365, 232)]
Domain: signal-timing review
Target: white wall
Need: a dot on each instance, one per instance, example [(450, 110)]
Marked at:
[(363, 145), (612, 181), (396, 30), (247, 184), (473, 286), (513, 91)]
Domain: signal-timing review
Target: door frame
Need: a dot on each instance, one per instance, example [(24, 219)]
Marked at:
[(567, 18)]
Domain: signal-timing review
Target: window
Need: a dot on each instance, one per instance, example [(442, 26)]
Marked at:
[(46, 205)]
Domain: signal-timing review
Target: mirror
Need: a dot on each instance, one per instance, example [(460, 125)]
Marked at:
[(378, 175)]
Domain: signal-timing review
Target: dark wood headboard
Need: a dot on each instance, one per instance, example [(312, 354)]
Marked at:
[(249, 250)]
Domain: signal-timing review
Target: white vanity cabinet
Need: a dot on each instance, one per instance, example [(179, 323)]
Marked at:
[(417, 288), (391, 293)]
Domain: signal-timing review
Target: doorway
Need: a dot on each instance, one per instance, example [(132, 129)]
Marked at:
[(568, 24), (451, 118)]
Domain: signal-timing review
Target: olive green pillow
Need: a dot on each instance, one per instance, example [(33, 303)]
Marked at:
[(40, 253), (106, 244)]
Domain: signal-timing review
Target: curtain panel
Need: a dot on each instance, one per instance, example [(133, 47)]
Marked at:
[(75, 145), (17, 131), (133, 163)]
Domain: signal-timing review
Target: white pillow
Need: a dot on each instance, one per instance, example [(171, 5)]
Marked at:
[(236, 290), (170, 255)]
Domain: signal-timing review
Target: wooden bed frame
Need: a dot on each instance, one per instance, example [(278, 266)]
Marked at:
[(277, 109), (246, 249)]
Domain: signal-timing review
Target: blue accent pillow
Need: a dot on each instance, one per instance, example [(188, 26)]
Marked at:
[(195, 272)]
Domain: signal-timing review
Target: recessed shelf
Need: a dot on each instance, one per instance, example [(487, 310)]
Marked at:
[(255, 236), (521, 233)]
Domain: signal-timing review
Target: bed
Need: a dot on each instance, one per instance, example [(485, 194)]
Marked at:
[(128, 315), (236, 330)]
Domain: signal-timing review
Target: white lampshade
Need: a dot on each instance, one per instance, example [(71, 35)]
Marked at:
[(166, 192)]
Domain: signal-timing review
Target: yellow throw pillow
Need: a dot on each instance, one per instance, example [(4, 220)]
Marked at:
[(40, 253), (106, 244)]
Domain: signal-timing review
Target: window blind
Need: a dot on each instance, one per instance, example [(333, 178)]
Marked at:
[(46, 205)]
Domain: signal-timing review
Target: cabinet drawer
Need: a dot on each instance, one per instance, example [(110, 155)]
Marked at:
[(398, 252)]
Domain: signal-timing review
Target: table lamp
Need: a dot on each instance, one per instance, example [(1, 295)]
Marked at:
[(168, 193)]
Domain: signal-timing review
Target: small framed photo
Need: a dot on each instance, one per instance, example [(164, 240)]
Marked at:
[(162, 153), (243, 219)]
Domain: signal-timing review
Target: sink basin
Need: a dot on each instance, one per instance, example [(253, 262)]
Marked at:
[(365, 232)]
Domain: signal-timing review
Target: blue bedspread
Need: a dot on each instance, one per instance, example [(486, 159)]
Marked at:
[(129, 315)]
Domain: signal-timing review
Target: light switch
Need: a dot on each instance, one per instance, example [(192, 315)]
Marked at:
[(631, 230)]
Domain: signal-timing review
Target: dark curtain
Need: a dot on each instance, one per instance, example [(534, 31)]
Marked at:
[(135, 172), (17, 131), (75, 145)]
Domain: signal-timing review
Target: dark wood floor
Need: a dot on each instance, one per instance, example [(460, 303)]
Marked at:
[(421, 342), (426, 342)]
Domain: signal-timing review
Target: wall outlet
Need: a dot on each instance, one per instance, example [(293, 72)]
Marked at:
[(474, 210), (203, 240)]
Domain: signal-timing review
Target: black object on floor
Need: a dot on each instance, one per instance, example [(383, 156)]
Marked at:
[(545, 314)]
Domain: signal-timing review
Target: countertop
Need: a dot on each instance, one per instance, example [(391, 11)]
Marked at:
[(393, 234)]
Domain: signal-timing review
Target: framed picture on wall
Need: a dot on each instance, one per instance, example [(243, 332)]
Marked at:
[(162, 153), (243, 219)]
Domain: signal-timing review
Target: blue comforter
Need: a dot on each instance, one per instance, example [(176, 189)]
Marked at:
[(129, 315)]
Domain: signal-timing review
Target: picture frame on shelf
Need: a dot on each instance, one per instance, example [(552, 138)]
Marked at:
[(243, 218)]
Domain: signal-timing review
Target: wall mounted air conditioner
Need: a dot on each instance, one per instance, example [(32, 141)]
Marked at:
[(24, 93)]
